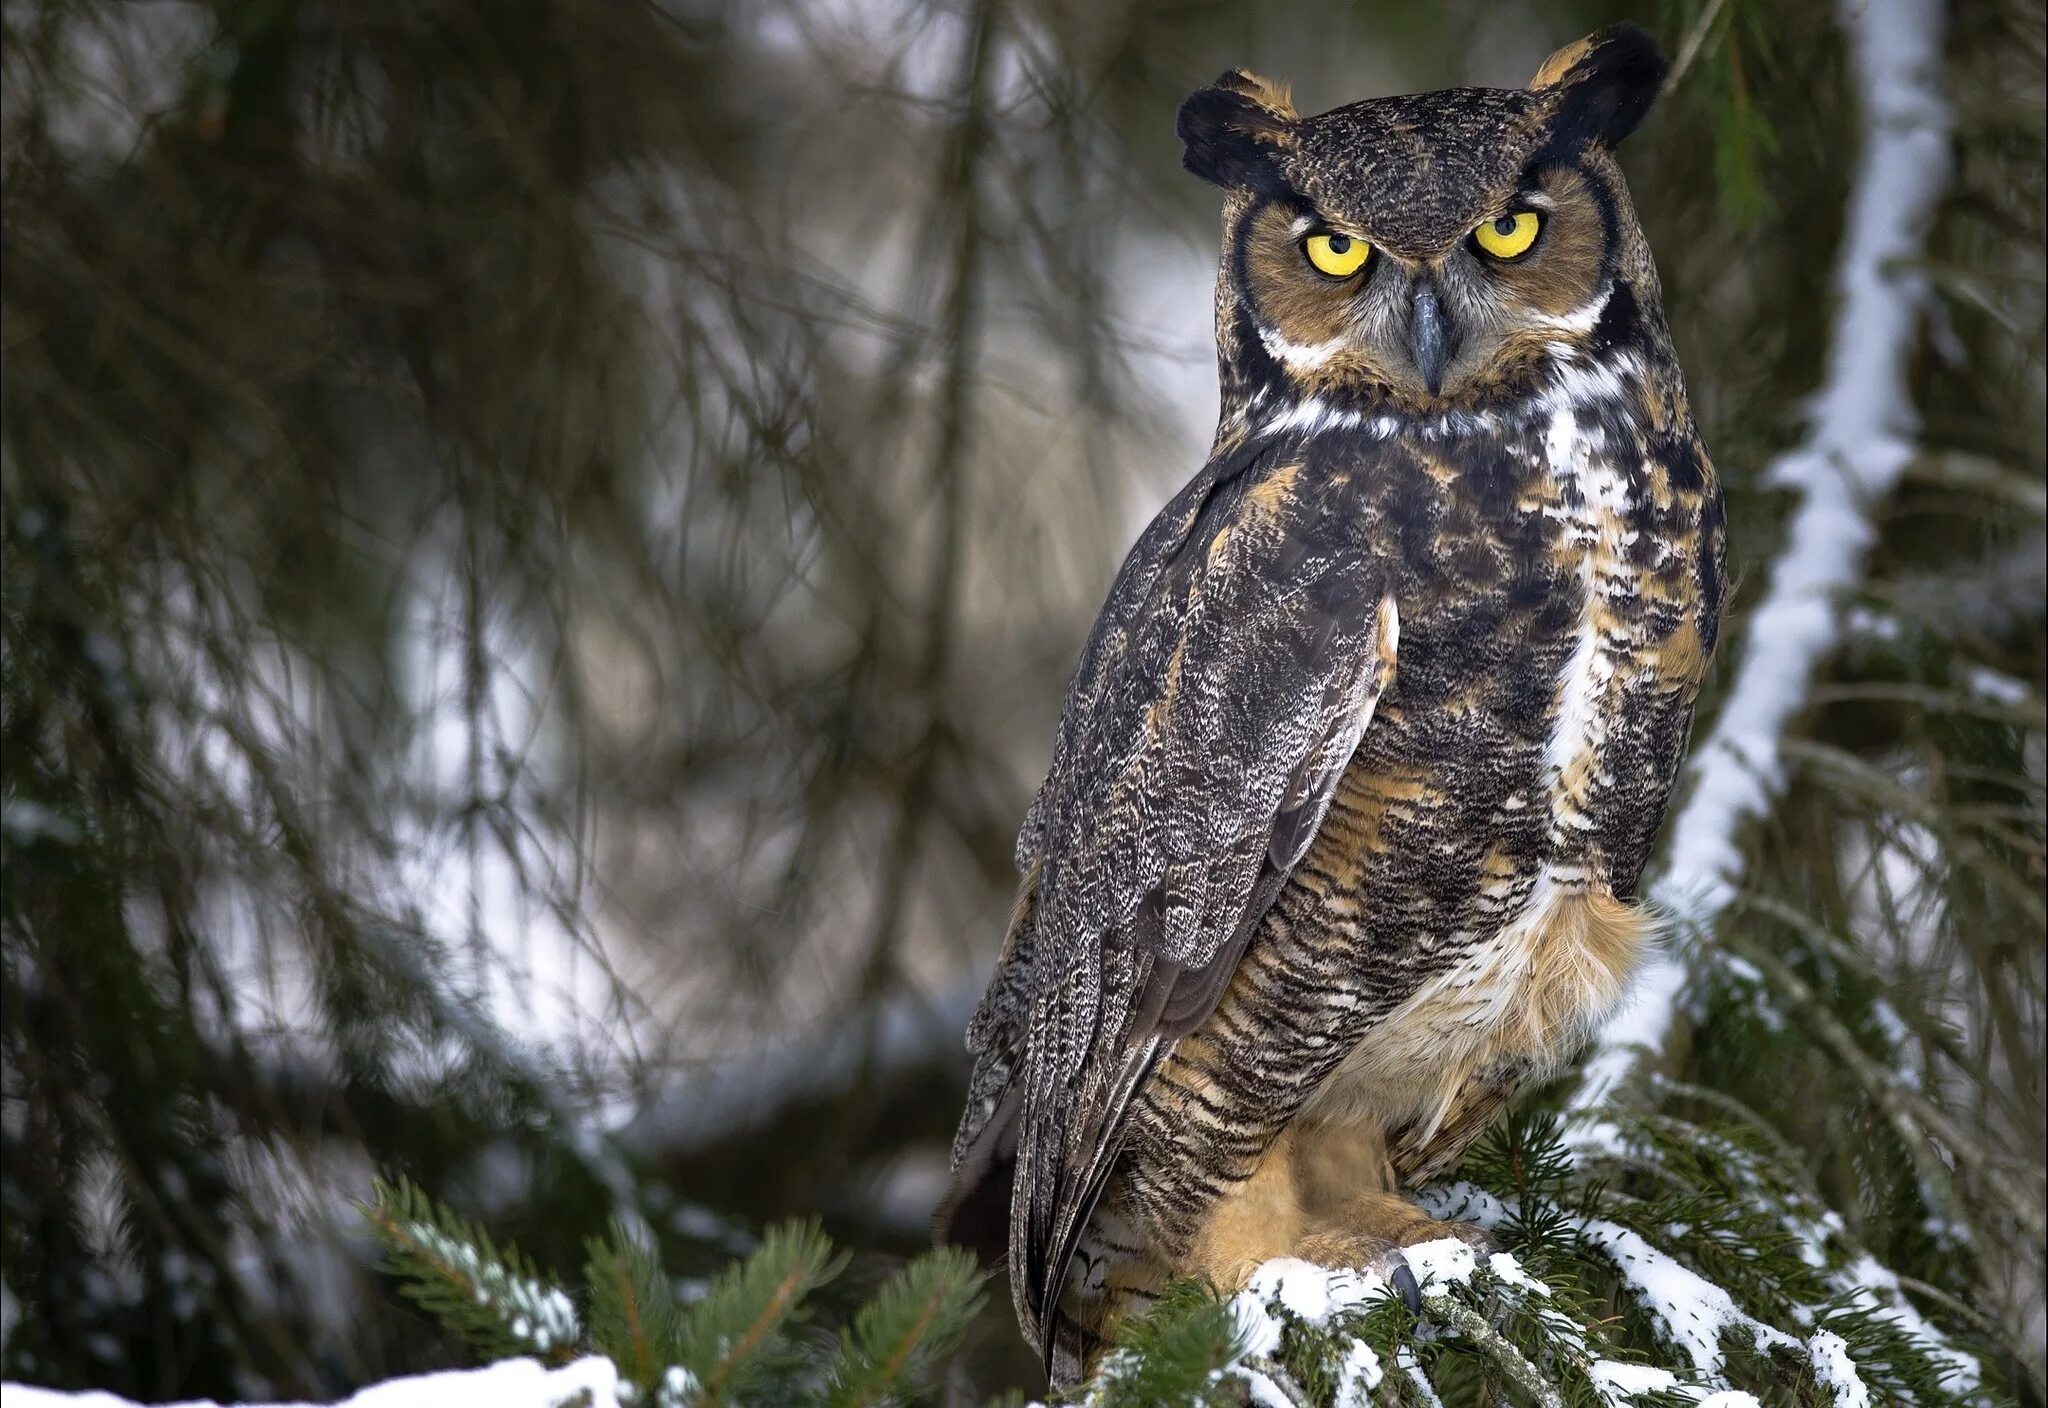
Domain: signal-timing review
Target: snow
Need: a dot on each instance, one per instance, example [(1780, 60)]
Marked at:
[(1424, 1389), (1617, 1381), (1264, 1392), (1834, 1369), (1688, 1310), (1442, 1260), (1258, 1329), (1463, 1202), (1692, 1312), (1506, 1268), (1641, 1024), (1858, 442), (1318, 1294), (1312, 1293), (1358, 1376), (1296, 1286), (1996, 686), (678, 1387), (1867, 1279), (510, 1383)]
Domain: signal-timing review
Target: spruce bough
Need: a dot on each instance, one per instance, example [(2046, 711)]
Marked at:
[(742, 1341), (1643, 1258)]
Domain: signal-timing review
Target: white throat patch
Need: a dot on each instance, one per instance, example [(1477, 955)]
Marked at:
[(1301, 356)]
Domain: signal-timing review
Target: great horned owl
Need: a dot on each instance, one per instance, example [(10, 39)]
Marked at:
[(1364, 756)]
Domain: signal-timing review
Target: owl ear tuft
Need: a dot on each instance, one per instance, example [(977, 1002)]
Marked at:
[(1235, 130), (1604, 85)]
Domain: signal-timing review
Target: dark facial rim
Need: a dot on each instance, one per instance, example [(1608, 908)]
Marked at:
[(1542, 235), (1603, 200)]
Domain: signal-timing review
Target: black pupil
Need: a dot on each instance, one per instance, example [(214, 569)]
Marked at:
[(1340, 244), (1505, 225)]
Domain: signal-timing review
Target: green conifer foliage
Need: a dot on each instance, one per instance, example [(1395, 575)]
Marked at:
[(1619, 1279), (742, 1341), (492, 1297)]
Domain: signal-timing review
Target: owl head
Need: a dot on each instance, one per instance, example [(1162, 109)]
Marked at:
[(1437, 252)]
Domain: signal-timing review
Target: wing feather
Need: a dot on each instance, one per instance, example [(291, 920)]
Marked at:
[(1223, 690)]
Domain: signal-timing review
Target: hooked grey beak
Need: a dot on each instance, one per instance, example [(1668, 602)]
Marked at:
[(1430, 338)]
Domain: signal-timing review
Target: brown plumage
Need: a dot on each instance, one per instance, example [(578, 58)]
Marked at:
[(1364, 756)]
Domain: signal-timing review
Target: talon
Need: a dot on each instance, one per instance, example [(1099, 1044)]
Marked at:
[(1411, 1293)]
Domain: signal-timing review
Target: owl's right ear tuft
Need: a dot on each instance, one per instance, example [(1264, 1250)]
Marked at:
[(1235, 131), (1603, 85)]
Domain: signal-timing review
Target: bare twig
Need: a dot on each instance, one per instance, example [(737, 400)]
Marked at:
[(1689, 48)]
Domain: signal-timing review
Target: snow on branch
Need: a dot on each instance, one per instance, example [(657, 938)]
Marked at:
[(1859, 442), (1294, 1293), (509, 1383)]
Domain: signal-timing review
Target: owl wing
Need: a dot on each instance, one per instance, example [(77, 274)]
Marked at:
[(1223, 691), (985, 1145)]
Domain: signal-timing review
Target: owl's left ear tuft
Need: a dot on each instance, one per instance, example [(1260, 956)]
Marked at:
[(1604, 85), (1235, 130)]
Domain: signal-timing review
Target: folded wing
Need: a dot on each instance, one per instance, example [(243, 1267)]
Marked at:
[(1232, 672)]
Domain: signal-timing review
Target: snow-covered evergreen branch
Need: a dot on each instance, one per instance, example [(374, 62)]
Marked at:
[(509, 1383), (1743, 1284)]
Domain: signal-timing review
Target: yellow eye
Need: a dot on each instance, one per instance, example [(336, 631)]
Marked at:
[(1510, 236), (1339, 256)]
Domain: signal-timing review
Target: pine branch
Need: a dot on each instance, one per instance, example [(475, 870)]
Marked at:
[(1275, 1374), (633, 1315), (1917, 1119), (728, 1340), (1174, 1353), (1737, 1275), (733, 1346), (495, 1300), (913, 1322), (1689, 49), (1488, 1341), (1853, 774)]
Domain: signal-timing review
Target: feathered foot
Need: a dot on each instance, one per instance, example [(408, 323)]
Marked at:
[(1370, 1232)]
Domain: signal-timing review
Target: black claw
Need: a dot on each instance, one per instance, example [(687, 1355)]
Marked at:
[(1411, 1294)]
